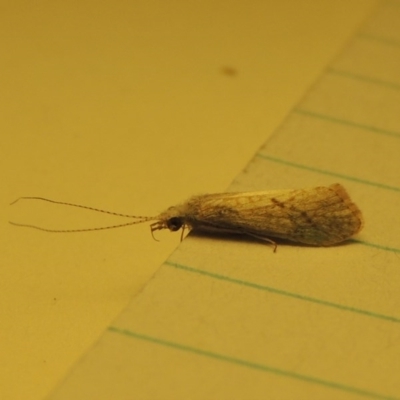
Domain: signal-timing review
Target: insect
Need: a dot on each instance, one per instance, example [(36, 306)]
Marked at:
[(320, 216)]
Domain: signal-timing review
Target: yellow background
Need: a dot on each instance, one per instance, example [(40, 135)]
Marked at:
[(130, 106)]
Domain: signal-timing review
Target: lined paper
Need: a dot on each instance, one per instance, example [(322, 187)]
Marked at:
[(227, 318)]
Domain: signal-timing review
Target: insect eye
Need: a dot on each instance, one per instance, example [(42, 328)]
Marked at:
[(174, 224)]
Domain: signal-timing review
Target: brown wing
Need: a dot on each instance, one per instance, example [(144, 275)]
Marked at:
[(319, 216)]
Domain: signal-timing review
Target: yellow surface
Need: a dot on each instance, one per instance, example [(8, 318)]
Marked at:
[(129, 106)]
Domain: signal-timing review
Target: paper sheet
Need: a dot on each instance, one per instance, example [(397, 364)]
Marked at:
[(226, 319), (129, 106)]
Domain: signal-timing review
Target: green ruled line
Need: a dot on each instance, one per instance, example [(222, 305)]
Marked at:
[(377, 246), (346, 122), (326, 172), (280, 292), (364, 78), (380, 39), (249, 364)]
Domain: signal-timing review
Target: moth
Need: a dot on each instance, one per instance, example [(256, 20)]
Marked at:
[(319, 216)]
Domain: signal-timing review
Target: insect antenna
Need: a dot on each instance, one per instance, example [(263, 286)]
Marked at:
[(63, 203), (101, 228), (140, 219)]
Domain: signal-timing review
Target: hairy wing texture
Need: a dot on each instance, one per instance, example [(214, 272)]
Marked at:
[(319, 216)]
